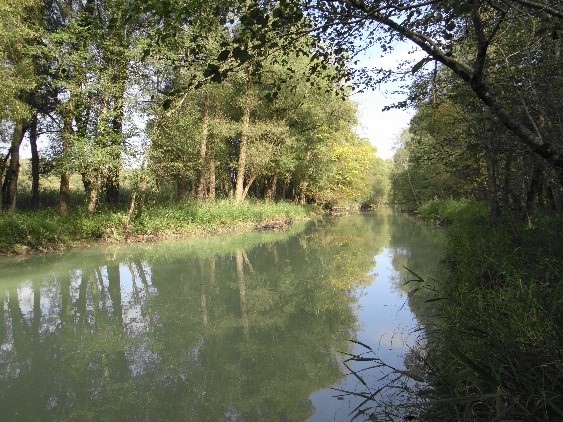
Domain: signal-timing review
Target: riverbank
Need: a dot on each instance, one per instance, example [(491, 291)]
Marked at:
[(46, 230), (495, 350)]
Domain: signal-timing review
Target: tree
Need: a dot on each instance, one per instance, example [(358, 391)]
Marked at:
[(505, 36), (456, 148), (19, 31)]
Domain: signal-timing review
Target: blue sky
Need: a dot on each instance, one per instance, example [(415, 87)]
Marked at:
[(383, 128)]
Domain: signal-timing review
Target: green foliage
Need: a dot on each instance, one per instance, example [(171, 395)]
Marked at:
[(194, 216), (505, 55), (496, 350), (306, 147), (224, 95), (18, 30), (380, 183), (45, 230), (441, 155), (461, 211), (22, 230)]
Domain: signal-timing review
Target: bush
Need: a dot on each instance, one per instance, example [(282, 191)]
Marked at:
[(497, 352), (461, 211), (46, 229)]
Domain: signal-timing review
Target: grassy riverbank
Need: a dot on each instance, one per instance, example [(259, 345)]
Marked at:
[(45, 230), (496, 352)]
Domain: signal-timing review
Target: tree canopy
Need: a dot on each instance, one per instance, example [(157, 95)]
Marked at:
[(505, 52), (224, 101)]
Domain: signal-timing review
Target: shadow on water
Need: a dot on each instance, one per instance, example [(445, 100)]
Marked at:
[(240, 328)]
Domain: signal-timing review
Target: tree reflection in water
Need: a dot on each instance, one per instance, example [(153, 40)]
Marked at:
[(243, 328)]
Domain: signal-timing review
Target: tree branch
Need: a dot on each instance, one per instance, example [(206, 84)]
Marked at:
[(541, 7), (475, 81)]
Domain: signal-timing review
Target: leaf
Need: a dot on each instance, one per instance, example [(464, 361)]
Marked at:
[(418, 277), (242, 55), (412, 375), (146, 53), (369, 398), (223, 55), (213, 72), (436, 299), (361, 344), (355, 374), (473, 365)]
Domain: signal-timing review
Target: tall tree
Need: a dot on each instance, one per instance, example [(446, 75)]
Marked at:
[(512, 37), (19, 31)]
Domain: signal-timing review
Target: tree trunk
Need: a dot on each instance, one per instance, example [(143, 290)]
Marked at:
[(506, 190), (284, 188), (112, 188), (491, 160), (534, 190), (64, 188), (2, 169), (10, 185), (112, 185), (245, 129), (142, 195), (203, 175), (130, 213), (92, 188), (270, 194), (247, 187), (555, 197), (301, 196), (34, 162), (211, 172), (181, 186), (64, 193)]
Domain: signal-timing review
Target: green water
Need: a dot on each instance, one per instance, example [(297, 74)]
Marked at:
[(243, 328)]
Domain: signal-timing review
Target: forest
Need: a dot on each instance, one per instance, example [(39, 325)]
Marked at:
[(150, 104), (176, 101)]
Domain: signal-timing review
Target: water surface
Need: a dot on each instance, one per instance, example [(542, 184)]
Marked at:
[(250, 327)]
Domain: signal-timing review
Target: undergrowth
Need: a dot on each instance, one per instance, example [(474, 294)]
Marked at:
[(45, 229), (497, 351)]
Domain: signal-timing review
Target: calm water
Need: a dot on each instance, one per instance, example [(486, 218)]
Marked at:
[(244, 328)]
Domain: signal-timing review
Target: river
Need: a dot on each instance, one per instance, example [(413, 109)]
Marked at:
[(248, 327)]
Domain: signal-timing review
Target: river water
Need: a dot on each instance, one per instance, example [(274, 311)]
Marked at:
[(249, 327)]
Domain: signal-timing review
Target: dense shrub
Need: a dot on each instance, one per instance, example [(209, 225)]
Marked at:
[(462, 211), (496, 352), (22, 231)]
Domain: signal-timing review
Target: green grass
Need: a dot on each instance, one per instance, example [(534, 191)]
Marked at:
[(497, 351), (462, 211), (45, 229), (208, 215)]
